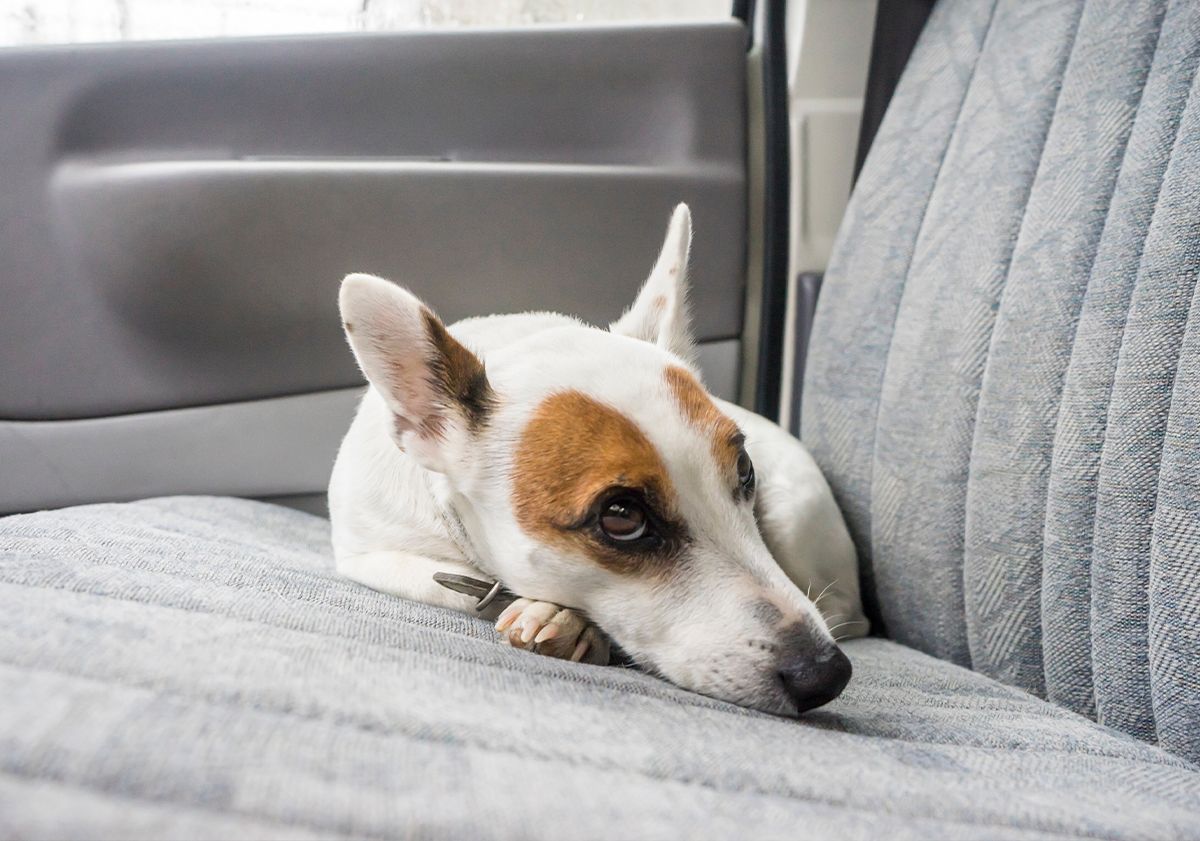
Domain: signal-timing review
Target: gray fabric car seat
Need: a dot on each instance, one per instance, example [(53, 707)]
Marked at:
[(1000, 390), (1004, 371)]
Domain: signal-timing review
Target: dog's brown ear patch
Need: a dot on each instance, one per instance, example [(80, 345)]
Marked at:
[(428, 380), (458, 374), (573, 448), (703, 414)]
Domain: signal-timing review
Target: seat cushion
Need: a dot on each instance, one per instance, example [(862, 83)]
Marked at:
[(194, 667)]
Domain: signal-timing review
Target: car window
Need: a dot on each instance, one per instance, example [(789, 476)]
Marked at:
[(24, 22)]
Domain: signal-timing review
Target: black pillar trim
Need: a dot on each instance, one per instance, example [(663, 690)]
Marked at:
[(775, 211), (743, 10)]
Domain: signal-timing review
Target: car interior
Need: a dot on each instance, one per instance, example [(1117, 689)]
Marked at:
[(951, 245)]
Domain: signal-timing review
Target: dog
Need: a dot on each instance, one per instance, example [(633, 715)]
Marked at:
[(591, 472)]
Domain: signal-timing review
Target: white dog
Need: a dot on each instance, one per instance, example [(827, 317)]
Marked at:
[(591, 473)]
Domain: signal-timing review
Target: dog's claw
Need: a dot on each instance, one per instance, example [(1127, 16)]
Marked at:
[(552, 630), (510, 613)]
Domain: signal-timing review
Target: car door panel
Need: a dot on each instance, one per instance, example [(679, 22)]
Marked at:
[(176, 218)]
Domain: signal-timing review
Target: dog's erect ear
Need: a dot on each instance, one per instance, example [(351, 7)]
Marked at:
[(436, 389), (660, 314)]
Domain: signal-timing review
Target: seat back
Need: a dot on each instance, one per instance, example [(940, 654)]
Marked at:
[(1004, 378)]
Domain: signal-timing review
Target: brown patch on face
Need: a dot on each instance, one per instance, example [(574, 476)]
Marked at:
[(703, 414), (573, 449), (457, 375)]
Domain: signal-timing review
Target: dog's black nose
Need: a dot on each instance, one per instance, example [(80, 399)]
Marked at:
[(816, 676)]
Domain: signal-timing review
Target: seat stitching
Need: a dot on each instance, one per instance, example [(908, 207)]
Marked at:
[(192, 806), (987, 360), (529, 752), (887, 363), (1189, 102), (559, 670), (1059, 416)]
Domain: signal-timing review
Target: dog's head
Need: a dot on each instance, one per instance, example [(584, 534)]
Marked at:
[(591, 469)]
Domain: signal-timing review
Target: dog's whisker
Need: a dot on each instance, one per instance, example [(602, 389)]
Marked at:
[(817, 601), (848, 622), (844, 624)]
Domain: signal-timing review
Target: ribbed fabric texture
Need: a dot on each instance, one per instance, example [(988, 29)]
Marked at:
[(194, 668), (1002, 381)]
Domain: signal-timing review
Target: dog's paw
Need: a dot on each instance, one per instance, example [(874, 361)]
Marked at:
[(554, 631)]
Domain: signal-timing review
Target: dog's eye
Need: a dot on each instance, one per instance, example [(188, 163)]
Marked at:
[(623, 520), (745, 469)]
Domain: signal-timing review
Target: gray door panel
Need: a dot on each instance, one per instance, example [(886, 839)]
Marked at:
[(175, 218), (195, 268), (261, 448)]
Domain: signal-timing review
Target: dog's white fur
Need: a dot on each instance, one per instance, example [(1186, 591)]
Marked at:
[(416, 490)]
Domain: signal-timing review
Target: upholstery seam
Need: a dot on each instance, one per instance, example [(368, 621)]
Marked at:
[(1013, 695), (189, 805), (887, 363), (317, 827), (673, 693), (1000, 298), (1058, 415), (1189, 100), (348, 591), (691, 781)]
